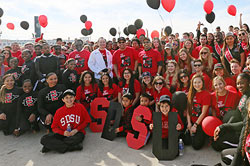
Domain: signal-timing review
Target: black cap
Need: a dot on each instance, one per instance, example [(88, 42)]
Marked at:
[(144, 74), (121, 39), (218, 66), (68, 92), (165, 98)]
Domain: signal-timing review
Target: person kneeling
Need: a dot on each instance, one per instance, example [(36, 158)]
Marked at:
[(68, 126)]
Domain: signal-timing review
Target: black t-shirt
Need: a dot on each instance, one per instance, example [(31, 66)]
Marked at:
[(70, 79)]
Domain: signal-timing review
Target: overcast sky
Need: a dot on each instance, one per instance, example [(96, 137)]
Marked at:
[(64, 16)]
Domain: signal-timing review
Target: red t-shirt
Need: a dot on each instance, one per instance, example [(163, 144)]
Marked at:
[(222, 105), (77, 117), (16, 54), (164, 91), (164, 122), (149, 61), (200, 99), (150, 91), (125, 89), (81, 58), (124, 59), (136, 53), (208, 81), (109, 93), (230, 81), (86, 95)]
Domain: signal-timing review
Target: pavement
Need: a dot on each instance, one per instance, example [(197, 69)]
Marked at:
[(25, 151)]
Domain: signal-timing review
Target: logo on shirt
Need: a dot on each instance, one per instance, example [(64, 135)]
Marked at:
[(126, 61), (80, 62), (72, 77), (242, 104), (9, 98), (29, 101), (24, 69), (70, 119), (165, 124), (16, 75), (147, 62), (125, 90), (53, 95), (197, 109)]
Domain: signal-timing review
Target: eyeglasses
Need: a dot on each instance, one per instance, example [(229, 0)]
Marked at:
[(203, 53), (243, 34), (122, 42), (159, 83), (146, 42), (175, 44), (126, 73), (181, 77), (197, 65)]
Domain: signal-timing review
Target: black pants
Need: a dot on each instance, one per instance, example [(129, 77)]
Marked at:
[(8, 125), (224, 137), (61, 143), (197, 140)]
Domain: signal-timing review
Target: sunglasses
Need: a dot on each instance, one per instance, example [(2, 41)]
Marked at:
[(175, 44), (122, 42), (197, 65), (204, 53), (159, 83), (243, 34), (181, 77), (146, 42)]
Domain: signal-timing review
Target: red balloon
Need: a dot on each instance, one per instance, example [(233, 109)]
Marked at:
[(209, 124), (208, 6), (231, 10), (10, 26), (88, 25), (168, 5), (43, 20), (155, 34), (140, 32)]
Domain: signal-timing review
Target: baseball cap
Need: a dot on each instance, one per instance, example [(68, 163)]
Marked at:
[(168, 45), (229, 34), (144, 74), (68, 92), (218, 66), (121, 39), (165, 98)]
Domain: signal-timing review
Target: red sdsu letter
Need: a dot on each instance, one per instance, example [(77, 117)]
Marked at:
[(139, 142), (99, 114)]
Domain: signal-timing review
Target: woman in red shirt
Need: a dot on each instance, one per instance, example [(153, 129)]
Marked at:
[(183, 81), (222, 99), (107, 88), (189, 45), (185, 60), (87, 91), (198, 105), (207, 60), (7, 55), (129, 84), (158, 46), (171, 75)]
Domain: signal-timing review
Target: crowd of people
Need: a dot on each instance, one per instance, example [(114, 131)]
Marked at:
[(54, 86)]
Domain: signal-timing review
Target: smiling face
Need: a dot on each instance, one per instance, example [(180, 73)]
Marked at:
[(13, 63), (102, 44), (171, 67), (87, 79), (69, 100), (144, 101), (52, 80), (242, 84), (126, 102), (146, 80), (27, 87), (219, 72), (188, 44), (9, 82), (72, 65), (158, 85), (183, 56), (198, 84), (156, 43), (164, 108), (26, 56), (184, 78), (219, 86), (146, 44), (230, 40), (105, 80), (127, 75)]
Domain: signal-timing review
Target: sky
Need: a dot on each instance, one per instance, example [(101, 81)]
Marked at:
[(64, 16)]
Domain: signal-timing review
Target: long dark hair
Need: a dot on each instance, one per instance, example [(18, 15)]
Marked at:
[(131, 81), (81, 81), (183, 71), (101, 85), (247, 129), (8, 59)]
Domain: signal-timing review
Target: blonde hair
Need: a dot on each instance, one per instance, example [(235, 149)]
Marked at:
[(175, 77), (219, 78), (209, 60), (3, 88)]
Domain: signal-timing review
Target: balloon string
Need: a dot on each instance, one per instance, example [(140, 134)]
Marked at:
[(161, 17), (171, 21), (212, 28)]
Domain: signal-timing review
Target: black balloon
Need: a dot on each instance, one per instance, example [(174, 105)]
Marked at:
[(132, 29), (1, 12), (210, 17), (90, 31), (25, 25), (84, 32), (83, 18), (138, 24), (155, 4), (179, 101), (112, 31), (125, 31), (168, 30)]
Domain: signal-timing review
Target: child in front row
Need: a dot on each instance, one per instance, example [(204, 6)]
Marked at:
[(27, 111), (165, 107), (125, 122), (68, 126)]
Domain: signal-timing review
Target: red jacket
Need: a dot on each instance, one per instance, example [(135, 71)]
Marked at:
[(76, 116)]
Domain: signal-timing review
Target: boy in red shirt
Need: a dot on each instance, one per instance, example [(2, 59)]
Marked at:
[(68, 126)]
